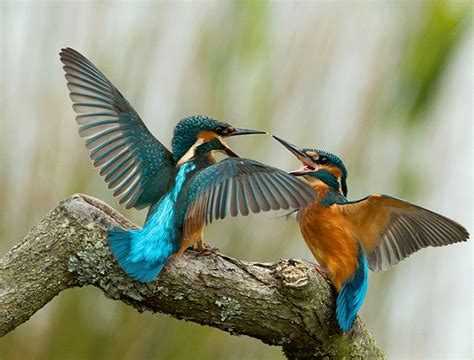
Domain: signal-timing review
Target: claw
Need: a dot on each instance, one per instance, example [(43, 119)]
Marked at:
[(322, 270), (205, 249)]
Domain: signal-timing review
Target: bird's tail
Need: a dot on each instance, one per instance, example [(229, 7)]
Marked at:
[(137, 253), (352, 294)]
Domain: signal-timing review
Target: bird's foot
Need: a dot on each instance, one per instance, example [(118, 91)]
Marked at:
[(206, 250), (322, 270)]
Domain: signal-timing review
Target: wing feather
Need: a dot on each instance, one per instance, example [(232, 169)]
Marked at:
[(251, 200), (234, 208), (270, 193), (224, 199), (132, 160), (260, 195), (237, 186), (392, 229), (277, 196), (242, 198)]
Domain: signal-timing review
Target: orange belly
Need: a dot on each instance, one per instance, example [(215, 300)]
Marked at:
[(330, 238)]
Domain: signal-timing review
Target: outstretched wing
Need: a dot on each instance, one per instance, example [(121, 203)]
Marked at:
[(391, 229), (237, 185), (132, 160)]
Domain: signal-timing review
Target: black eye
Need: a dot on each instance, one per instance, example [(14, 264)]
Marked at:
[(218, 130), (323, 160)]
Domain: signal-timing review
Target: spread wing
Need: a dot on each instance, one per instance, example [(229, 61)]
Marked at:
[(135, 164), (391, 229), (237, 185)]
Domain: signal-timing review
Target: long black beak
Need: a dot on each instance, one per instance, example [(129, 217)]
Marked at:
[(229, 152), (298, 152), (298, 172), (246, 132)]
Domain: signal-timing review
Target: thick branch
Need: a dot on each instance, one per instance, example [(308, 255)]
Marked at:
[(285, 303)]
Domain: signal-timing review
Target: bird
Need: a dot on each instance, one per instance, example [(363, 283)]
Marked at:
[(349, 237), (183, 189)]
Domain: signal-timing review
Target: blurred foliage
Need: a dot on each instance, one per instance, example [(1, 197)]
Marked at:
[(427, 54), (238, 46), (368, 80)]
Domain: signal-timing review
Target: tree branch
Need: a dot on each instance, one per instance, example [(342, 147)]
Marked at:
[(285, 303)]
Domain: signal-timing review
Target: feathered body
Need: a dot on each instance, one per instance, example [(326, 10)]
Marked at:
[(349, 237), (142, 253), (184, 189), (332, 240)]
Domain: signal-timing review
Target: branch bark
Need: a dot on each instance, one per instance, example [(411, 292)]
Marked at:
[(286, 303)]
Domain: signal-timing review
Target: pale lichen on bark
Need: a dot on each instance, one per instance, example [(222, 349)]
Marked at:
[(286, 303)]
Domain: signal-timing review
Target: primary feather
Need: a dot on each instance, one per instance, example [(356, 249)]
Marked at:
[(237, 185), (135, 164), (392, 229)]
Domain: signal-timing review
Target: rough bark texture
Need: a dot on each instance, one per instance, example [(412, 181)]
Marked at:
[(286, 303)]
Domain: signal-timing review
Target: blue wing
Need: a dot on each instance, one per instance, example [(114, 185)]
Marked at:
[(135, 164), (237, 185), (392, 229)]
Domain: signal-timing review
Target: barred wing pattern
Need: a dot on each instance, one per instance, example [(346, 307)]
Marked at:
[(237, 185), (135, 164), (391, 229)]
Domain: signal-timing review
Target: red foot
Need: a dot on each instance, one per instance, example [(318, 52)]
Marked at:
[(207, 250), (321, 270)]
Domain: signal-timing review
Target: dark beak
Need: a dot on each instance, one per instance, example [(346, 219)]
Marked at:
[(246, 132), (230, 152), (298, 173), (298, 152)]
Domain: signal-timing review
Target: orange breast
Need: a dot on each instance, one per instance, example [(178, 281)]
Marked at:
[(330, 238)]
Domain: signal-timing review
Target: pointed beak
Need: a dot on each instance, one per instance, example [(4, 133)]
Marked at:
[(298, 172), (246, 132), (226, 149), (230, 153), (299, 153)]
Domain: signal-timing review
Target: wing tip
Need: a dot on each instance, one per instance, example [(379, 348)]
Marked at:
[(68, 51)]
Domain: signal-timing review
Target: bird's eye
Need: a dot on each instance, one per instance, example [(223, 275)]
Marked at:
[(218, 129), (323, 160)]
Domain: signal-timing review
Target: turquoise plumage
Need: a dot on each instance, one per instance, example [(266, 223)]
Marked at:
[(142, 253), (185, 189), (352, 294)]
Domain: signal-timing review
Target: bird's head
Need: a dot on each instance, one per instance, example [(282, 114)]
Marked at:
[(319, 165), (200, 135)]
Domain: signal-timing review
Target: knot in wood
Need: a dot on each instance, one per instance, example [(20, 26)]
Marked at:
[(294, 273)]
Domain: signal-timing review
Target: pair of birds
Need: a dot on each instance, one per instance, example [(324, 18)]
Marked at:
[(187, 189)]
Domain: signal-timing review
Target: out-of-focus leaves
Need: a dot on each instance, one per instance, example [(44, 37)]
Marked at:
[(430, 45)]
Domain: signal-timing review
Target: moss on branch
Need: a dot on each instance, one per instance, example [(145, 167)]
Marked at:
[(286, 303)]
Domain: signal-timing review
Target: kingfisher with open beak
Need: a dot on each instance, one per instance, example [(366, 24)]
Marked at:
[(184, 189), (348, 237)]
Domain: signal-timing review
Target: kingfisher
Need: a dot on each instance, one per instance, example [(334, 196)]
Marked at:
[(184, 189), (349, 237)]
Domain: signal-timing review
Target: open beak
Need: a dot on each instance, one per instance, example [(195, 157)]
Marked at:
[(307, 162), (298, 172), (246, 132)]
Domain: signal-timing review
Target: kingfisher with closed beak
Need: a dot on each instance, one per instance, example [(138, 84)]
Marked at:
[(184, 189), (348, 237)]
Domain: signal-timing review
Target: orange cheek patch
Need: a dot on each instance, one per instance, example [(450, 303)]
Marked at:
[(334, 170), (317, 184), (207, 135), (311, 153)]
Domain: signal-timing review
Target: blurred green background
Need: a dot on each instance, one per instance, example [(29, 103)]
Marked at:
[(387, 85)]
